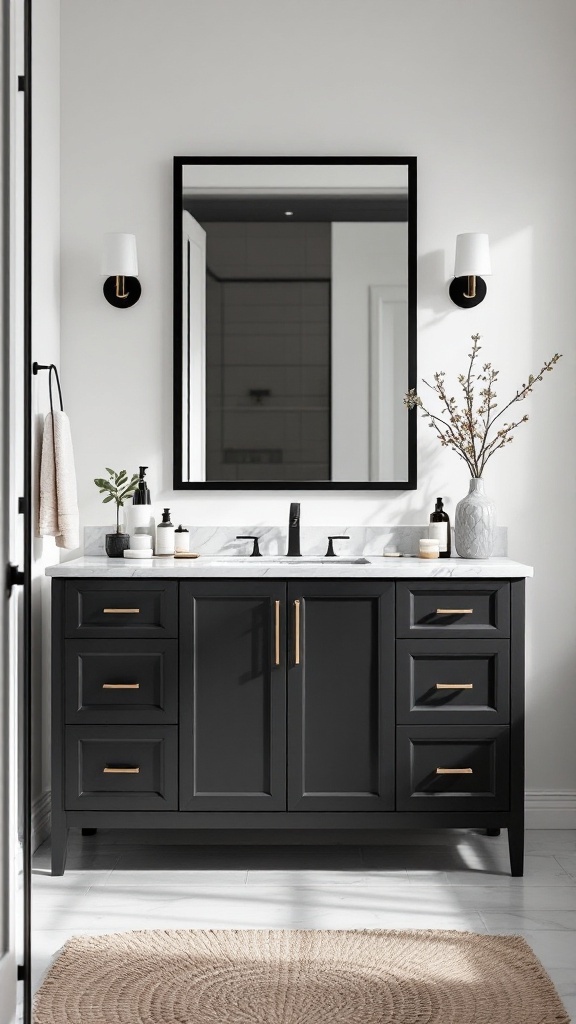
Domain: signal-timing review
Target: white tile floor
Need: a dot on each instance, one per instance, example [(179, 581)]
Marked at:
[(119, 880)]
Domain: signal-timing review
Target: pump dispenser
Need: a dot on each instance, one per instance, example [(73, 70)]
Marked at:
[(439, 529), (165, 535), (141, 494)]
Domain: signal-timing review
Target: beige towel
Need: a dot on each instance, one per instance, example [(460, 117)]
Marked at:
[(58, 496)]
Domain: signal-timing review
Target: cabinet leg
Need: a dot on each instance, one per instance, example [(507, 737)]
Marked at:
[(93, 831), (59, 849), (492, 831), (516, 849)]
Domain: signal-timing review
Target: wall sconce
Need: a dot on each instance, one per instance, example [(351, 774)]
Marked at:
[(472, 259), (120, 268)]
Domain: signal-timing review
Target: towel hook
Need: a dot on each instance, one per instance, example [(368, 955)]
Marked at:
[(51, 369)]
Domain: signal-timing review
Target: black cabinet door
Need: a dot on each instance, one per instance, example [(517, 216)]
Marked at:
[(341, 696), (232, 696)]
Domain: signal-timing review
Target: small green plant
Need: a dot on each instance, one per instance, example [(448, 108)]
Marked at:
[(118, 488)]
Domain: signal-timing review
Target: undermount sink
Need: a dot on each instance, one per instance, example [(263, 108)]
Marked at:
[(289, 560)]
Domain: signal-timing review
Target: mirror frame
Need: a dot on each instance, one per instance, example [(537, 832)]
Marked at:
[(305, 485)]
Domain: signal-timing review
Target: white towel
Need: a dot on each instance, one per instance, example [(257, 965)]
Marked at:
[(58, 513)]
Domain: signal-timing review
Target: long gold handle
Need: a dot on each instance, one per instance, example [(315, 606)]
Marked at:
[(454, 686), (121, 611), (454, 771), (121, 771), (296, 632), (454, 611), (276, 632), (120, 686)]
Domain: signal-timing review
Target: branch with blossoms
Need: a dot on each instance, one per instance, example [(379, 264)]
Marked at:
[(471, 430)]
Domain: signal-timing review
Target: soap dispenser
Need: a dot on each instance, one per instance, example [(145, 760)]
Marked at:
[(142, 493), (165, 535), (439, 529)]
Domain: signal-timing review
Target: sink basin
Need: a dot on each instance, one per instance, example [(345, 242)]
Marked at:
[(286, 560)]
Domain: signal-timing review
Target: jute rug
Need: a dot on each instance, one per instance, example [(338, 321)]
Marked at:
[(297, 977)]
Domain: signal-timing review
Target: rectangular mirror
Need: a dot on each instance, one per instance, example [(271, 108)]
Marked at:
[(294, 322)]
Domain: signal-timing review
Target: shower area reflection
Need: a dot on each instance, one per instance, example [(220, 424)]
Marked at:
[(268, 351)]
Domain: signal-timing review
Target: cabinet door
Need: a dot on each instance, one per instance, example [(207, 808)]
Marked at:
[(232, 696), (341, 696)]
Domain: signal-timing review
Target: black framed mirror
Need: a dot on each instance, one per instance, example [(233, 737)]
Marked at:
[(294, 322)]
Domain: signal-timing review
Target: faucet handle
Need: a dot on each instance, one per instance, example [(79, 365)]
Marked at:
[(256, 553), (335, 536)]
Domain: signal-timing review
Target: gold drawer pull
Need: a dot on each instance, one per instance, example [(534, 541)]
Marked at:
[(120, 686), (454, 611), (296, 632), (454, 686), (121, 771), (454, 771), (276, 632), (121, 611)]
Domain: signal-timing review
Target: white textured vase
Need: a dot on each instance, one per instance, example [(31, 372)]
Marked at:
[(475, 523)]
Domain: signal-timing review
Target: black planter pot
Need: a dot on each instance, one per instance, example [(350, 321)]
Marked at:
[(116, 544)]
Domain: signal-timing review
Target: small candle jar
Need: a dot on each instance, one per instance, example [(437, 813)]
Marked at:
[(429, 548)]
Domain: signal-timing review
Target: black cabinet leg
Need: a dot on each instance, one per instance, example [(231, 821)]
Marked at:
[(516, 848), (89, 831), (492, 831), (59, 849)]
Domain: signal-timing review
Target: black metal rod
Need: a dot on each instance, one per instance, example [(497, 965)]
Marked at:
[(27, 596)]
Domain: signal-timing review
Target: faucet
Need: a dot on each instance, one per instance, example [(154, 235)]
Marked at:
[(294, 530)]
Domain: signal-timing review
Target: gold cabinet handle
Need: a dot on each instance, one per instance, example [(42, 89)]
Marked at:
[(296, 632), (120, 686), (120, 771), (454, 771), (276, 632), (454, 611), (121, 611), (454, 686)]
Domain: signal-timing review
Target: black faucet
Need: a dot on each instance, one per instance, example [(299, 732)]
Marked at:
[(294, 530)]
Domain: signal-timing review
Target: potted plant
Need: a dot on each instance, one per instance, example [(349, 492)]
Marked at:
[(117, 488), (474, 433)]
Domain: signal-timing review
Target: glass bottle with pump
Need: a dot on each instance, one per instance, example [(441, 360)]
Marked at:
[(439, 529), (165, 535)]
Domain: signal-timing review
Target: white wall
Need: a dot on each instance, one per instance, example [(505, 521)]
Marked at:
[(46, 349), (484, 100)]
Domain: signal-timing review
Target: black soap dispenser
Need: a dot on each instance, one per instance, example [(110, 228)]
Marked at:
[(141, 494), (439, 529)]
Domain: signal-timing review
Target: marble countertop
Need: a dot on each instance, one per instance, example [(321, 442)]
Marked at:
[(376, 567)]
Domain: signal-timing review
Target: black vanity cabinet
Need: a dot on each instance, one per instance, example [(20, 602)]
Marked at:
[(322, 705)]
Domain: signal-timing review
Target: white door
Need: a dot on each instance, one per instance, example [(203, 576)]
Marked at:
[(193, 349)]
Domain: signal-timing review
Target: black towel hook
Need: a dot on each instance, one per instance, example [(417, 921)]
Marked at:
[(52, 369)]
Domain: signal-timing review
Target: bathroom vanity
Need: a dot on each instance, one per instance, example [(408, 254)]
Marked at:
[(274, 695)]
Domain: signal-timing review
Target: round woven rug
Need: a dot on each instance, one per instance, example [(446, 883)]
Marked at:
[(297, 977)]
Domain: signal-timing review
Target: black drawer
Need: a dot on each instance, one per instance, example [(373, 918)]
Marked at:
[(121, 768), (121, 681), (124, 608), (472, 609), (453, 682), (447, 769)]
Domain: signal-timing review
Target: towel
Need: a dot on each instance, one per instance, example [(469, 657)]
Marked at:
[(58, 514)]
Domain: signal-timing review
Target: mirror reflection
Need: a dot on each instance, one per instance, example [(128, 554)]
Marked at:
[(293, 324)]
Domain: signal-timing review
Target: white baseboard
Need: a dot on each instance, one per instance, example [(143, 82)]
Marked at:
[(550, 809), (41, 815)]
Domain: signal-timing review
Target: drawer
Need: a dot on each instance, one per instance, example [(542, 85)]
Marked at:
[(121, 681), (453, 682), (447, 769), (121, 768), (98, 608), (472, 609)]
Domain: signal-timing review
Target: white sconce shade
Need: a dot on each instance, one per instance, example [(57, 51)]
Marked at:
[(472, 255), (119, 257)]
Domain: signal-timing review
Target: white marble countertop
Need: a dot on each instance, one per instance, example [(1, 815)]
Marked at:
[(376, 567)]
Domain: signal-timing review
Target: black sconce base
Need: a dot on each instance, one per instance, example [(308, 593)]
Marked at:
[(132, 290), (459, 289)]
